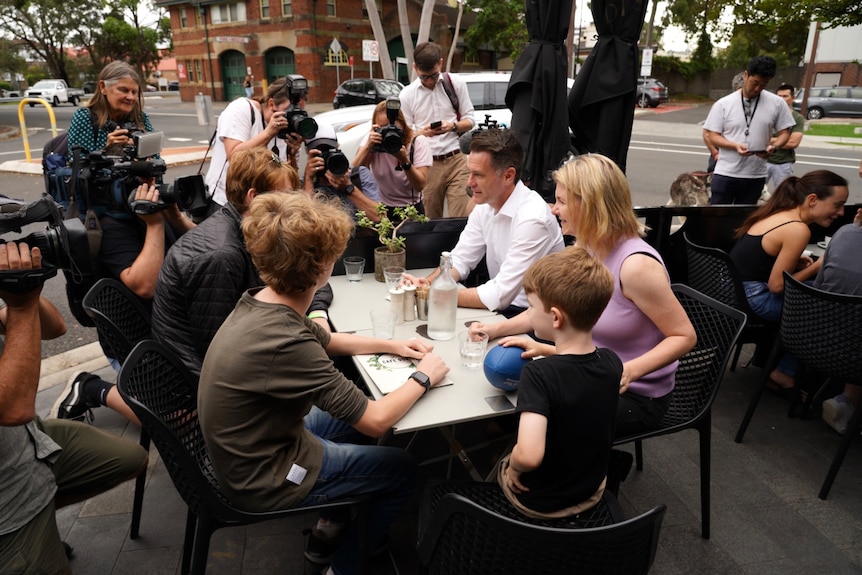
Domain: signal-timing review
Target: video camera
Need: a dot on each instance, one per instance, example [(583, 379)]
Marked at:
[(393, 136), (111, 180), (467, 138), (64, 244), (298, 122)]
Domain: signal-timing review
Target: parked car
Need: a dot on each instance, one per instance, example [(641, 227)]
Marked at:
[(834, 101), (10, 93), (362, 91), (174, 86), (55, 91), (651, 93)]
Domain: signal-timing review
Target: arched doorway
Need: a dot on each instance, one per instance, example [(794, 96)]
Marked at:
[(233, 74), (396, 50), (279, 63)]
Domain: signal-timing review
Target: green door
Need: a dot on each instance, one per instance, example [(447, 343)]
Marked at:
[(279, 63), (233, 74)]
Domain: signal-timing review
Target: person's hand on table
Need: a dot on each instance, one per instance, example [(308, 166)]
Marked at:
[(532, 348), (410, 279), (434, 367), (412, 348), (804, 262)]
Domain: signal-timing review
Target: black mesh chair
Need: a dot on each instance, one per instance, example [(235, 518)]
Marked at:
[(472, 529), (698, 378), (711, 272), (122, 322), (163, 394), (823, 330)]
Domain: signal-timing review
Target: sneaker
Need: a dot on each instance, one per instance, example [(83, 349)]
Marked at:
[(837, 414), (72, 404), (319, 549)]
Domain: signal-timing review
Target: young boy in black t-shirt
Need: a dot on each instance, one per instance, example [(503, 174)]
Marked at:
[(568, 401)]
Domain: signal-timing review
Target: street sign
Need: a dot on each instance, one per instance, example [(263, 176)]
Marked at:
[(335, 46), (370, 51), (646, 62)]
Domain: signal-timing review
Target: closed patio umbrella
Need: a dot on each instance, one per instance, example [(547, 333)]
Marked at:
[(537, 93), (602, 100)]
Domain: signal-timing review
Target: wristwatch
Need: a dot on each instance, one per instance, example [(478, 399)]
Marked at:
[(348, 190), (421, 379), (405, 166), (454, 126)]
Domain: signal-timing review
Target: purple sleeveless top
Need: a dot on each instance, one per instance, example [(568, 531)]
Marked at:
[(625, 329)]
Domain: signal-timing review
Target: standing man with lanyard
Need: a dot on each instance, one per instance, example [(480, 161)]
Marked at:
[(741, 125), (438, 107)]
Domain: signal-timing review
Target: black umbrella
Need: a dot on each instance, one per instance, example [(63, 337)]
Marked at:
[(537, 93), (602, 100)]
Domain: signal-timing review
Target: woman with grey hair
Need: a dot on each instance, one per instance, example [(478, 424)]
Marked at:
[(117, 102)]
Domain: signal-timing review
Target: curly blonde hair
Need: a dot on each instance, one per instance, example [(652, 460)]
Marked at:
[(257, 168), (293, 239), (606, 214)]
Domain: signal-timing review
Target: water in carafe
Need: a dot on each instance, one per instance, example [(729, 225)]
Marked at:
[(443, 302)]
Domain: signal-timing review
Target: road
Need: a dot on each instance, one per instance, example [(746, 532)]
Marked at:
[(663, 146)]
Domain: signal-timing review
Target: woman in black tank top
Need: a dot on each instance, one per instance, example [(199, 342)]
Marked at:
[(773, 238)]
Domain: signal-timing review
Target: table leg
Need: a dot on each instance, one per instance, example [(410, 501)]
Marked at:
[(458, 450)]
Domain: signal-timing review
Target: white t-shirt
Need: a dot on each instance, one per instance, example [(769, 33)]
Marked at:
[(241, 120), (767, 114)]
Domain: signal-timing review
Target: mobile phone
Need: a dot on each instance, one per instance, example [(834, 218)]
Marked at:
[(437, 124), (756, 151)]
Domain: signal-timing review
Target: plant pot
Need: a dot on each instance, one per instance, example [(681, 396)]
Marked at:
[(383, 258)]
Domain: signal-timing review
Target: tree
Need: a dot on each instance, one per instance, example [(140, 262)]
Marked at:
[(380, 36), (499, 24), (46, 27), (837, 12)]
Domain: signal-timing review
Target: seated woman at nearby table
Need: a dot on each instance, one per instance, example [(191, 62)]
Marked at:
[(772, 239), (401, 173), (276, 414), (644, 323)]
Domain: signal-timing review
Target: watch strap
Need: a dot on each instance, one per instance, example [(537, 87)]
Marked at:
[(421, 379)]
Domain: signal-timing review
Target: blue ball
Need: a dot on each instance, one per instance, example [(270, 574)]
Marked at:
[(503, 366)]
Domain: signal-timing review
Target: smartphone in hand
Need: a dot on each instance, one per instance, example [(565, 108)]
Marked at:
[(437, 124)]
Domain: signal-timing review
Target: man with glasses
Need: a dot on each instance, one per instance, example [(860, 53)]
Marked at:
[(437, 106)]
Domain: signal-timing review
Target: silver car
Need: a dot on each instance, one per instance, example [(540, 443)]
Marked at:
[(834, 101)]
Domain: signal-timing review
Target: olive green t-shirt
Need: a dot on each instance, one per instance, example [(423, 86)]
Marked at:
[(783, 156), (265, 368)]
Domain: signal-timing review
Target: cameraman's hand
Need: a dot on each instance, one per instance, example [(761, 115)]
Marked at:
[(20, 257), (314, 166), (374, 137), (294, 143), (119, 137), (276, 124), (338, 182), (149, 193)]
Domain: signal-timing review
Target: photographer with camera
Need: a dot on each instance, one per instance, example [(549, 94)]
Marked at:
[(43, 464), (399, 160), (277, 121), (328, 172)]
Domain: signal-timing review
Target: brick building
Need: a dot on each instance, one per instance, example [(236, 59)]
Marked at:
[(216, 44)]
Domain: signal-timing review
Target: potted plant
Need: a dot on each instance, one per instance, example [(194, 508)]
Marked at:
[(392, 252)]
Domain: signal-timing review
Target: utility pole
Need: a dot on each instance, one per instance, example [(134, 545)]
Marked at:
[(810, 74)]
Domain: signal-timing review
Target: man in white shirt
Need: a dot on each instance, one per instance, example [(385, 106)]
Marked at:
[(740, 126), (438, 106), (511, 226)]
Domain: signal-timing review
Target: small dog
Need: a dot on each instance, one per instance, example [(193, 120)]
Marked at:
[(690, 189)]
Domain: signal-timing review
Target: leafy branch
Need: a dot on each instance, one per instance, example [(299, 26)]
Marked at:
[(387, 231)]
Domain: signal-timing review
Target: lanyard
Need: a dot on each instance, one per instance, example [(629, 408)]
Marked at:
[(748, 119)]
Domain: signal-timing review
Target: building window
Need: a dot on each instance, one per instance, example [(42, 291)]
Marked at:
[(233, 12), (198, 74), (379, 10), (471, 59), (286, 8), (190, 71), (184, 20), (330, 7), (264, 8)]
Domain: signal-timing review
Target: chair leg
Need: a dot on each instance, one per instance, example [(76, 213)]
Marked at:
[(140, 483), (758, 391), (843, 447), (201, 550), (704, 433), (639, 455), (735, 357), (188, 541)]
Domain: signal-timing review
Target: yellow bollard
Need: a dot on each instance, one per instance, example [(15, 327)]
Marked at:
[(24, 124)]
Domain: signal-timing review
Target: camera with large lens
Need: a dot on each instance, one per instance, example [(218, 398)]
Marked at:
[(64, 244), (188, 192), (393, 136), (335, 161), (298, 121)]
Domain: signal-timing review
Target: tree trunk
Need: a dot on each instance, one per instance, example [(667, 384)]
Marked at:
[(425, 21), (455, 35), (406, 37), (380, 37)]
